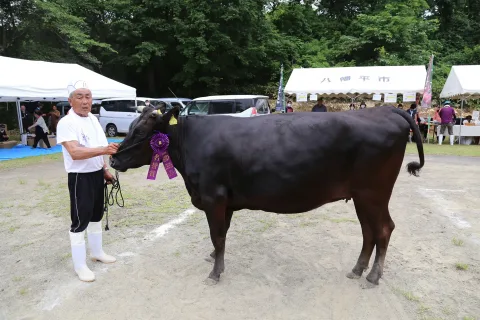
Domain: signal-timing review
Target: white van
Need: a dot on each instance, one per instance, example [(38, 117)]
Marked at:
[(232, 105), (117, 114)]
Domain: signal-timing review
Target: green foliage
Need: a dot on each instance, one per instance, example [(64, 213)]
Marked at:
[(200, 47)]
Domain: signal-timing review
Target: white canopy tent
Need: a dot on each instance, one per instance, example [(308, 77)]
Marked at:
[(462, 82), (27, 80), (346, 81)]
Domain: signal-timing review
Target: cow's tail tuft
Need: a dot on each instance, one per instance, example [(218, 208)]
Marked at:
[(414, 167)]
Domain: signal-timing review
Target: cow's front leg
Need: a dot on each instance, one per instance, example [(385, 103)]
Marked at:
[(229, 214), (216, 216)]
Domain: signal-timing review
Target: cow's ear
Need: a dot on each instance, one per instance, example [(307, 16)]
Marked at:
[(171, 116)]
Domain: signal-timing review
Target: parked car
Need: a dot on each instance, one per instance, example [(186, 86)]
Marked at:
[(176, 102), (234, 105), (116, 114)]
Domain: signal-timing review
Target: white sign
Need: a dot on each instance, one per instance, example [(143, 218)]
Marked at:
[(313, 97), (302, 97), (377, 97), (475, 115), (409, 96), (390, 97)]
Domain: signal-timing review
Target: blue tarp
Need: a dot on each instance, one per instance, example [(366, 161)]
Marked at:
[(20, 151)]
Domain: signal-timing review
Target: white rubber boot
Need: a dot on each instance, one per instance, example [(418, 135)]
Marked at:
[(452, 140), (440, 139), (94, 231), (77, 241)]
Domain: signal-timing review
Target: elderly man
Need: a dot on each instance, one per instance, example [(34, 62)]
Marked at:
[(84, 144)]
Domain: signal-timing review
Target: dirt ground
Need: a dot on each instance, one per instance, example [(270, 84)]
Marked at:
[(277, 267)]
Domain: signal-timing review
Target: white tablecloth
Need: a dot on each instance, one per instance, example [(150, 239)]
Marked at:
[(467, 131)]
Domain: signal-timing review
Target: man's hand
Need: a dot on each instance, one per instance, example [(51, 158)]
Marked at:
[(112, 148), (109, 178)]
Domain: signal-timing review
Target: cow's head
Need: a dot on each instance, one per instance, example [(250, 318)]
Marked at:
[(135, 150)]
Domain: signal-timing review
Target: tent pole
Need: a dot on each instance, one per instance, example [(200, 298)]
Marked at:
[(461, 122), (19, 117)]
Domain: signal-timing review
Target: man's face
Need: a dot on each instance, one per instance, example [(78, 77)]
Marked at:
[(22, 108), (81, 101)]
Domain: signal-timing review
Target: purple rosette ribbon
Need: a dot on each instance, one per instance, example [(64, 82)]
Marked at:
[(159, 144)]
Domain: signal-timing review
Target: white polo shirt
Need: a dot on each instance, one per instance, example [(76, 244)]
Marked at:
[(89, 133)]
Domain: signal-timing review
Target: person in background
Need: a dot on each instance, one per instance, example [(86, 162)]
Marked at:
[(447, 116), (41, 130), (413, 112), (319, 107), (147, 103), (400, 106), (423, 126), (40, 108), (467, 120), (54, 118), (351, 106), (25, 118), (289, 107), (363, 105), (3, 134)]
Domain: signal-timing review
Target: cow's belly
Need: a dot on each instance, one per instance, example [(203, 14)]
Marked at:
[(274, 196)]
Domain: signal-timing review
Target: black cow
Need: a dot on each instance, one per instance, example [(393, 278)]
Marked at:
[(284, 163)]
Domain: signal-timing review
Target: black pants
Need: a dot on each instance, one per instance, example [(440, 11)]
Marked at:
[(40, 135), (86, 199)]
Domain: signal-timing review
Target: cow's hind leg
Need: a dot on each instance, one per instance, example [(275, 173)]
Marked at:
[(377, 227), (383, 228), (368, 241)]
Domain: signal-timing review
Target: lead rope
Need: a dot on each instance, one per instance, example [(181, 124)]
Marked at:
[(110, 199)]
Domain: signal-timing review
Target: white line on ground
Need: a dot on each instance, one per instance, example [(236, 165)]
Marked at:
[(445, 190), (444, 206), (54, 297), (164, 228)]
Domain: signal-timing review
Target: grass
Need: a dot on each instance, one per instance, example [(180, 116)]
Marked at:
[(409, 296), (265, 225), (66, 256), (468, 318), (23, 291), (22, 181), (445, 150), (43, 184), (457, 242), (342, 220), (17, 279), (26, 162), (18, 247), (12, 229), (461, 266)]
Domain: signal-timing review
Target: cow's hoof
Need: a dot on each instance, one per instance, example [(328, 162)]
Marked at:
[(214, 276), (353, 275), (210, 282), (367, 285), (374, 276)]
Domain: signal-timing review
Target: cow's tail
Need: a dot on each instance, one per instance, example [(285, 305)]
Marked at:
[(414, 167)]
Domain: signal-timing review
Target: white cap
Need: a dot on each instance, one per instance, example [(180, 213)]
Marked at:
[(76, 84)]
